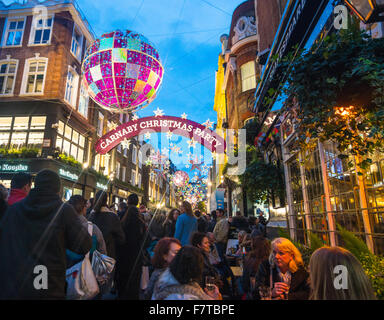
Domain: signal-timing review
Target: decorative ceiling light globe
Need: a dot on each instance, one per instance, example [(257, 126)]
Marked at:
[(180, 178), (122, 71)]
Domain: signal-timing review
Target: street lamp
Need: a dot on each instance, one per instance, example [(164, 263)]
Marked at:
[(368, 11)]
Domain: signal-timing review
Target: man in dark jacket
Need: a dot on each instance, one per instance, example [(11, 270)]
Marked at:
[(20, 186), (34, 235), (130, 254)]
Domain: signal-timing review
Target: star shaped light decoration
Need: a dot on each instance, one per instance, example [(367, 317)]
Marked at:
[(169, 134), (165, 151), (191, 143), (135, 117), (147, 135), (184, 116), (158, 112), (208, 124), (125, 144), (148, 162), (113, 126)]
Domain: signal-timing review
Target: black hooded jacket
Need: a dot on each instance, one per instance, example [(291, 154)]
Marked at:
[(36, 232)]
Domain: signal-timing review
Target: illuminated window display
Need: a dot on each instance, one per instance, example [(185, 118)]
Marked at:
[(18, 132), (70, 141)]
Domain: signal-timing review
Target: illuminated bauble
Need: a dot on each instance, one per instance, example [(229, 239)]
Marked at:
[(180, 178), (122, 71)]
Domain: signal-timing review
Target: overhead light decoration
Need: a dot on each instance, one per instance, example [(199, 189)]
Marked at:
[(122, 71)]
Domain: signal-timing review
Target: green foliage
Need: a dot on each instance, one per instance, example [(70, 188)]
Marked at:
[(100, 177), (22, 153), (352, 243), (346, 70), (71, 161), (374, 268), (261, 179)]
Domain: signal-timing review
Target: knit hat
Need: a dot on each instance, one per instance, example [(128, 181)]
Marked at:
[(48, 180)]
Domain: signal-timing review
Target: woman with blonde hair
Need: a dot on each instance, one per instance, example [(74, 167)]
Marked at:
[(283, 272), (324, 284)]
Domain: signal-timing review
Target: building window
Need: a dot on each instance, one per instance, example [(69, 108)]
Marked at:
[(118, 170), (7, 76), (83, 101), (133, 177), (71, 86), (14, 33), (71, 142), (100, 124), (123, 173), (134, 157), (139, 180), (248, 76), (41, 31), (34, 76), (77, 40), (140, 159), (22, 131)]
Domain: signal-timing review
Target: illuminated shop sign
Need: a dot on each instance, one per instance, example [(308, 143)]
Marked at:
[(68, 175), (13, 167), (101, 186)]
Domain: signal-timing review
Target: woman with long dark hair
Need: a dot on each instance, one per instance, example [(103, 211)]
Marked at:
[(170, 222), (186, 224)]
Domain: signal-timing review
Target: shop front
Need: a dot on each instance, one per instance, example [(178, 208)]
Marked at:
[(73, 181)]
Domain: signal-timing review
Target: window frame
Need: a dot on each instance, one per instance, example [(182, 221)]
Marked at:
[(80, 53), (32, 32), (7, 61), (243, 79), (83, 90), (133, 175), (7, 23), (24, 83), (75, 87)]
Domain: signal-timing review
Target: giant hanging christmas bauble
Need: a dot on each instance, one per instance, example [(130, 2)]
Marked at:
[(122, 71), (180, 178)]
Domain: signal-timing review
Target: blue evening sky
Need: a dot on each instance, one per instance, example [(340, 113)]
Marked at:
[(186, 34)]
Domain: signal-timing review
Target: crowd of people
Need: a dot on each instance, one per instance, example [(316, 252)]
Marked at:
[(179, 255)]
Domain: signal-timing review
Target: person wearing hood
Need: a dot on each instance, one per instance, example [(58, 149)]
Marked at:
[(20, 186), (34, 235), (108, 222), (131, 252), (180, 281)]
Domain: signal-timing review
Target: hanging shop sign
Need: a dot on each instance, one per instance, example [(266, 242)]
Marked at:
[(122, 193), (14, 167), (101, 186), (198, 133), (68, 175)]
